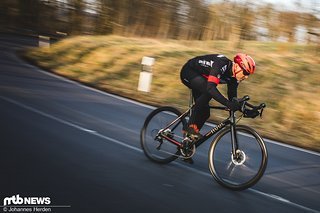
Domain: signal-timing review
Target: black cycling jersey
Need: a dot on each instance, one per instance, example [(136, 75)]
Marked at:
[(214, 67)]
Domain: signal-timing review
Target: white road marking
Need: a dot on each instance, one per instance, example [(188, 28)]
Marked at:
[(271, 196)]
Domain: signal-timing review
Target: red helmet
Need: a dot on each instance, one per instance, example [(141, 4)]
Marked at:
[(246, 63)]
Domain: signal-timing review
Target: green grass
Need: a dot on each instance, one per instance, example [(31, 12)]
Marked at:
[(287, 77)]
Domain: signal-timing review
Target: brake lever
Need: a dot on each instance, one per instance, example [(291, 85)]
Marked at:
[(262, 106), (261, 113), (243, 106), (244, 100)]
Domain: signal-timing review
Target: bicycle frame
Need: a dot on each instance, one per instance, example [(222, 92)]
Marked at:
[(231, 120)]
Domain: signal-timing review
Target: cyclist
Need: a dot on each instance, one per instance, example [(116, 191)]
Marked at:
[(203, 74)]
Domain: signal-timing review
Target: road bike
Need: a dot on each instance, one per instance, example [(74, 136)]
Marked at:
[(237, 154)]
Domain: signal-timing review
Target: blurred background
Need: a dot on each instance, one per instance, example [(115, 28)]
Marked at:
[(288, 20), (101, 43)]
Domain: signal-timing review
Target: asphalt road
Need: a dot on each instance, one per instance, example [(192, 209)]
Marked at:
[(80, 148)]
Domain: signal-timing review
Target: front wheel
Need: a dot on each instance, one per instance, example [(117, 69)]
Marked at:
[(242, 169), (156, 147)]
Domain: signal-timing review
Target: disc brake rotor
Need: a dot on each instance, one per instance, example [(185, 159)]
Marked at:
[(239, 158)]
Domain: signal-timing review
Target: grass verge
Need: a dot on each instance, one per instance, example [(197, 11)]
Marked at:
[(287, 77)]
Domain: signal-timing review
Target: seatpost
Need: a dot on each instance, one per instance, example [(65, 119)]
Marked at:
[(190, 99), (234, 139), (191, 102)]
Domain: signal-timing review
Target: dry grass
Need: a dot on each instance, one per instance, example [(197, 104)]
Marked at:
[(287, 77)]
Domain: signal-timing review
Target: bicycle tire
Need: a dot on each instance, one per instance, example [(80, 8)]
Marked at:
[(219, 160), (155, 121)]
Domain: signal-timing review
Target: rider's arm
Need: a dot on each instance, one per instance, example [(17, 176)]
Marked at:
[(215, 94), (213, 81), (232, 88)]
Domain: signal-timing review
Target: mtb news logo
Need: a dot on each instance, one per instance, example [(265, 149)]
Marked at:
[(17, 203), (17, 200)]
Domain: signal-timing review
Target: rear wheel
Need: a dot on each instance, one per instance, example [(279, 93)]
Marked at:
[(244, 168), (154, 146)]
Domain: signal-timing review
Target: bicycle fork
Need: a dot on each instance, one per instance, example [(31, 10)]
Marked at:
[(234, 138)]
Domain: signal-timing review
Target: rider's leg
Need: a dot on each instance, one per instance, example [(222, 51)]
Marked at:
[(201, 110)]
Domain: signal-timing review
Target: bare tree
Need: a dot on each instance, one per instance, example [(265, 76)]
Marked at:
[(177, 19)]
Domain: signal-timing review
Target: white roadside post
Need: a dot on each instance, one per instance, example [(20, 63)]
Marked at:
[(146, 74), (44, 41)]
